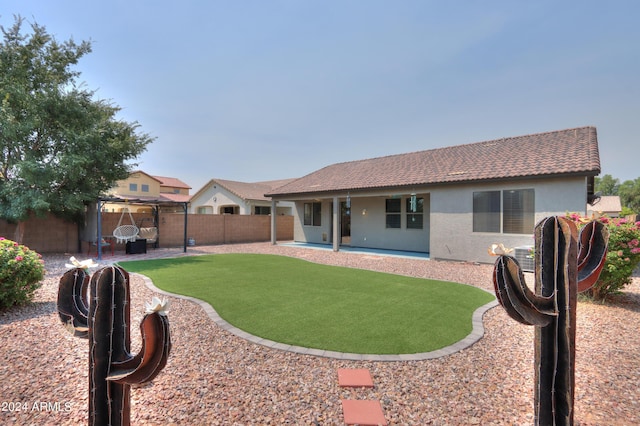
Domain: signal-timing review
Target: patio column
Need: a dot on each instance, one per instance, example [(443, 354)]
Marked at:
[(185, 206), (336, 224), (274, 227)]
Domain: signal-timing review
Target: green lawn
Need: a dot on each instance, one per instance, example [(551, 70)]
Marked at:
[(301, 303)]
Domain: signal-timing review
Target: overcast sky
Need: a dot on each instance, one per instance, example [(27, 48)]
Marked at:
[(261, 90)]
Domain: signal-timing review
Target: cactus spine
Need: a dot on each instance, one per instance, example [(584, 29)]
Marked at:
[(564, 266), (112, 369)]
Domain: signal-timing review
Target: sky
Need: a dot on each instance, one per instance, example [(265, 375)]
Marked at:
[(257, 90)]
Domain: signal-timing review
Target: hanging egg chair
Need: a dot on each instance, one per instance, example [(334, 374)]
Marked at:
[(124, 233)]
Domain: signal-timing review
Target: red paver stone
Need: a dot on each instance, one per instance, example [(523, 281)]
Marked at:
[(354, 377), (362, 412)]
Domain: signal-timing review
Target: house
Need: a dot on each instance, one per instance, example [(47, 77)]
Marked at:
[(452, 202), (606, 205), (221, 196), (142, 186), (173, 189)]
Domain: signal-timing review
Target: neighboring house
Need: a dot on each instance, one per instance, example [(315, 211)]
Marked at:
[(606, 205), (220, 196), (450, 202), (141, 186), (173, 189)]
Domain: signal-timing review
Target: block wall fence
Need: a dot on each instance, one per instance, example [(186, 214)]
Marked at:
[(53, 235), (45, 234)]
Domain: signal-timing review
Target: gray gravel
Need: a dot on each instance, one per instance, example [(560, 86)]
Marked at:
[(216, 378)]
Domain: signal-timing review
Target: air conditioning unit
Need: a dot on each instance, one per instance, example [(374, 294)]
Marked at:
[(524, 258)]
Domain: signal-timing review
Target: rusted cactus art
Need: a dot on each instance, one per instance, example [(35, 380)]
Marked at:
[(565, 263), (105, 320), (73, 307)]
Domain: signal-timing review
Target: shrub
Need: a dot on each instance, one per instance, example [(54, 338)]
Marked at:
[(623, 255), (21, 273)]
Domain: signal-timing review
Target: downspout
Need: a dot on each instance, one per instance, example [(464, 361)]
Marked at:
[(274, 226), (336, 224)]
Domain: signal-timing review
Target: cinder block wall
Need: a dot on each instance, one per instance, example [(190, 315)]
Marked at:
[(53, 235), (207, 229), (45, 234)]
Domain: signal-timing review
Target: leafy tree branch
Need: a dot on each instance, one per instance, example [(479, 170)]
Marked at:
[(60, 148)]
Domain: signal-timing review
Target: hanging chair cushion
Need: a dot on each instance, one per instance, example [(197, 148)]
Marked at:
[(124, 233), (150, 234)]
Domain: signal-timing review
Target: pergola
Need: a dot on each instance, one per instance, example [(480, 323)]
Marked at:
[(157, 202)]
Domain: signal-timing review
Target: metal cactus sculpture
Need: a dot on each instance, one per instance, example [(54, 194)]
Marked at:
[(73, 306), (105, 320), (565, 263)]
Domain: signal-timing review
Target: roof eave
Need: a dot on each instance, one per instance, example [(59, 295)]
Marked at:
[(338, 191)]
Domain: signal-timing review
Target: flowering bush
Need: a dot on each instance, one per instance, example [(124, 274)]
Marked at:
[(623, 255), (21, 271)]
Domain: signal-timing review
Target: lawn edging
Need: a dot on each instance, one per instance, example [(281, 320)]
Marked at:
[(476, 334)]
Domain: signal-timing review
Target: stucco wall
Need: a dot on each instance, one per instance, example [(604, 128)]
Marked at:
[(225, 198), (448, 219), (368, 229), (312, 234), (122, 187), (452, 235), (217, 197)]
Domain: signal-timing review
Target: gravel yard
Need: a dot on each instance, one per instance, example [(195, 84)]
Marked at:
[(216, 378)]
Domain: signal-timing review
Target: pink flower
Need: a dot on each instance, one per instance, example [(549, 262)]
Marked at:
[(18, 258), (634, 243), (635, 250), (604, 220)]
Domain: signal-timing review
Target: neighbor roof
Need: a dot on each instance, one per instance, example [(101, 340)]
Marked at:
[(247, 190), (171, 182), (178, 198), (144, 173), (563, 152), (607, 203)]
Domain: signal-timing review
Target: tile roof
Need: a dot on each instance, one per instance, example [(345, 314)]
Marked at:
[(607, 203), (178, 198), (251, 191), (563, 152), (172, 182)]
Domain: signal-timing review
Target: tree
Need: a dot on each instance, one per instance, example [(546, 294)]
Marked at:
[(607, 185), (59, 147), (630, 194)]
